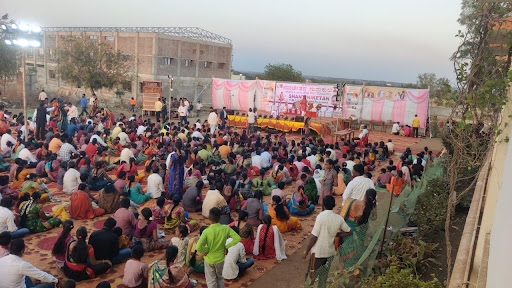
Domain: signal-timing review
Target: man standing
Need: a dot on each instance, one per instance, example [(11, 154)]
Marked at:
[(182, 111), (356, 189), (415, 126), (16, 272), (199, 105), (72, 111), (213, 243), (41, 122), (43, 96), (223, 117), (251, 119), (329, 181), (83, 104), (327, 225), (212, 120), (158, 109)]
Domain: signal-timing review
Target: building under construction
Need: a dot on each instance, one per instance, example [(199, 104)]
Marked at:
[(191, 55)]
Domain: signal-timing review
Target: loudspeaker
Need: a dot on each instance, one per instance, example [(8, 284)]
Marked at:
[(230, 112), (299, 118)]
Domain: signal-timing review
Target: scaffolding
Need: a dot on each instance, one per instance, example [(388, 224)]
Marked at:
[(187, 32)]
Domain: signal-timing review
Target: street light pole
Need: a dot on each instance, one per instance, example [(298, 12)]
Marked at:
[(24, 93)]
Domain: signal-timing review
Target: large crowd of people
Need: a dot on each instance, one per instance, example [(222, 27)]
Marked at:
[(94, 157)]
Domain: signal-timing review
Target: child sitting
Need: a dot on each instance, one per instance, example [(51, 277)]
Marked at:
[(182, 243), (135, 271)]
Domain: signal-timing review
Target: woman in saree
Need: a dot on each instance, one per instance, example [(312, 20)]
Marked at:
[(311, 190), (80, 263), (244, 163), (81, 206), (265, 185), (299, 204), (99, 177), (229, 167), (52, 168), (135, 192), (20, 174), (30, 186), (108, 117), (176, 165), (146, 232), (34, 218), (196, 259), (177, 217), (168, 274), (63, 121), (16, 148), (130, 169), (230, 195), (281, 216), (269, 242), (356, 214), (193, 175)]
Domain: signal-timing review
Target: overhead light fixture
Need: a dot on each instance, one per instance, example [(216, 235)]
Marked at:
[(15, 42), (14, 26), (23, 42), (35, 29), (8, 42), (23, 27), (4, 27), (35, 43)]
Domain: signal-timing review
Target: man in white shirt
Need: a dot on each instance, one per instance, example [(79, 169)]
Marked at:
[(199, 105), (266, 159), (42, 96), (327, 225), (97, 136), (235, 263), (72, 111), (313, 160), (257, 160), (7, 220), (213, 198), (212, 121), (155, 185), (16, 272), (197, 134), (251, 119), (391, 147), (26, 155), (7, 137), (350, 163), (123, 137), (71, 179), (125, 155), (396, 128), (363, 133), (182, 111), (141, 129), (356, 189)]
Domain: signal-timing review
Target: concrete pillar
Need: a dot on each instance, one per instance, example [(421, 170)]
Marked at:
[(197, 60)]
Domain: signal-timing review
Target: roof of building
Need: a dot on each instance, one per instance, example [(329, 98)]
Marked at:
[(189, 32)]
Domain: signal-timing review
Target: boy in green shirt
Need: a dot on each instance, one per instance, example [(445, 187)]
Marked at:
[(213, 243)]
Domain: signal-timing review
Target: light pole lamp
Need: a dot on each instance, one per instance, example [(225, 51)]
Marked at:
[(24, 36)]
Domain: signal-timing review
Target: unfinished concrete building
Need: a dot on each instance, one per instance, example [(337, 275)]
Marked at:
[(191, 55)]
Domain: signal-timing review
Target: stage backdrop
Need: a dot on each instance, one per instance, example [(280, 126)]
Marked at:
[(242, 94), (388, 103)]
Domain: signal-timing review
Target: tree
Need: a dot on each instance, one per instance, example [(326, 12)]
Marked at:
[(8, 63), (94, 65), (282, 72), (482, 83)]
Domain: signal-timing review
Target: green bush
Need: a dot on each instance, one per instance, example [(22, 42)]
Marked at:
[(430, 211), (398, 278)]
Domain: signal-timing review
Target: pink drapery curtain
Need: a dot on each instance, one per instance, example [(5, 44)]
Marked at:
[(377, 107), (228, 97), (398, 114), (420, 98)]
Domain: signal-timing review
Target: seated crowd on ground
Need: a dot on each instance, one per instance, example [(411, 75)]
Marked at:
[(177, 160)]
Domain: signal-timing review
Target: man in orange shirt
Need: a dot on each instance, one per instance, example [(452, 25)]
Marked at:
[(415, 126), (224, 150), (132, 104)]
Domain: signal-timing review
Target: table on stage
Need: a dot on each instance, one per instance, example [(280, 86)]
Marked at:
[(342, 133)]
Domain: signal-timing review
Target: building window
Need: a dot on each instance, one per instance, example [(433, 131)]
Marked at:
[(40, 52), (93, 37), (78, 36), (206, 64), (51, 74), (109, 38), (187, 62), (221, 66), (63, 37), (166, 61), (52, 53), (40, 66)]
